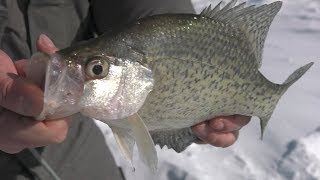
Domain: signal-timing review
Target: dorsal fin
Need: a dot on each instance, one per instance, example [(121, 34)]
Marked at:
[(216, 11), (254, 21)]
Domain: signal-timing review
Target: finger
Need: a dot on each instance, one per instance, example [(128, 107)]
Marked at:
[(53, 132), (57, 129), (199, 141), (201, 130), (21, 96), (44, 44), (229, 123), (6, 65), (21, 65), (208, 135), (222, 139), (11, 150), (15, 90), (23, 132)]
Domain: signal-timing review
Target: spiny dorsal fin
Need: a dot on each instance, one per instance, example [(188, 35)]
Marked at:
[(228, 6), (212, 13), (254, 21)]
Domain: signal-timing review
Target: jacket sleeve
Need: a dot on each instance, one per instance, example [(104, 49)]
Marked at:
[(13, 31), (3, 18), (112, 14)]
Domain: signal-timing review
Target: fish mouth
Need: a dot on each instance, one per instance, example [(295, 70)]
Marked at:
[(63, 88)]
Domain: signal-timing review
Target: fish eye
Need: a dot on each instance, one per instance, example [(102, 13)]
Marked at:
[(97, 68)]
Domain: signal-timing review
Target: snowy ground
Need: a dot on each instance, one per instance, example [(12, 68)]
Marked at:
[(291, 147)]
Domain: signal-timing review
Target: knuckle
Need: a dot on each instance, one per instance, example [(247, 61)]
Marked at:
[(217, 125), (200, 130)]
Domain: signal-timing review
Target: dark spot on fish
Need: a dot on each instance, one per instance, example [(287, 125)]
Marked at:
[(186, 73), (196, 97), (187, 98), (175, 83)]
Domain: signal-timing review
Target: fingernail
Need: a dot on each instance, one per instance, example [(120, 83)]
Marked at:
[(45, 40)]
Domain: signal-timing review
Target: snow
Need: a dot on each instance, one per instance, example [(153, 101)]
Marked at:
[(302, 158), (291, 147)]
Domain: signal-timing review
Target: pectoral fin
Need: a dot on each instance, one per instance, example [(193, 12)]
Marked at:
[(145, 144), (125, 142)]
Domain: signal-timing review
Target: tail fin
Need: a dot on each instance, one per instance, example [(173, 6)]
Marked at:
[(297, 74)]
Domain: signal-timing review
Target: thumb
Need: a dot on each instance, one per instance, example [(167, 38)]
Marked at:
[(45, 45), (36, 69)]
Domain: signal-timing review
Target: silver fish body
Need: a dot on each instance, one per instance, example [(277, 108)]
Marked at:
[(201, 66)]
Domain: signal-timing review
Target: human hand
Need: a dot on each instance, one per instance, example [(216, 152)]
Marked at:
[(220, 131), (20, 100)]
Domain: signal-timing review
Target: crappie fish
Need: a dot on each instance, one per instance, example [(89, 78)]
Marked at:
[(165, 73)]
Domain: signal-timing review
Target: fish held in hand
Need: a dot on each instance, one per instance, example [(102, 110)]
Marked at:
[(166, 73)]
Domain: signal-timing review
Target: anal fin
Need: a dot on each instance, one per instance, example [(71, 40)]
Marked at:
[(177, 139)]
